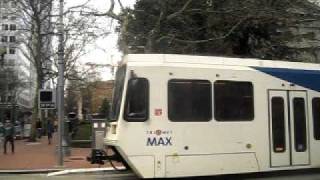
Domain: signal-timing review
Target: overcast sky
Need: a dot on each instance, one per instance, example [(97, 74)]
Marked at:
[(105, 50)]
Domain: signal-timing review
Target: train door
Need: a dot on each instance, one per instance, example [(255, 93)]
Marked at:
[(288, 128)]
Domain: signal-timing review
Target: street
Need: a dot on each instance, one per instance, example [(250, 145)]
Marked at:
[(284, 175)]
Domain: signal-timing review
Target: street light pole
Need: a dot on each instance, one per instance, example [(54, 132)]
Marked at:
[(60, 85)]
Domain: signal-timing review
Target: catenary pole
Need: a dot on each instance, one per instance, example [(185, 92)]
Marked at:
[(60, 84)]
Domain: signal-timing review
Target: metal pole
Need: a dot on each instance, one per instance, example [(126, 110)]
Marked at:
[(60, 84)]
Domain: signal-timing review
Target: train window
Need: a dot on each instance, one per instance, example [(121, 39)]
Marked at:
[(278, 124), (233, 101), (137, 100), (117, 93), (300, 131), (189, 100), (316, 117)]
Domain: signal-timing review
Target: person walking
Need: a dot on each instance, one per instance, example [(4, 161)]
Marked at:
[(8, 131), (50, 130), (39, 128), (1, 132), (22, 127)]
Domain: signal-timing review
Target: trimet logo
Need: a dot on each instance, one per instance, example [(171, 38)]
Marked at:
[(159, 138)]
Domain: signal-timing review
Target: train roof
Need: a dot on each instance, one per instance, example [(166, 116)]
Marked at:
[(167, 59)]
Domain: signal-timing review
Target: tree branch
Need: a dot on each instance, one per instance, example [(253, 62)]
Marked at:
[(109, 13), (173, 38), (184, 7)]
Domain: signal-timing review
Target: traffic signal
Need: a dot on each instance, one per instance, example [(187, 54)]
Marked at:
[(46, 96), (46, 99)]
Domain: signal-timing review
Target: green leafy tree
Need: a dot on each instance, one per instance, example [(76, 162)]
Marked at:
[(265, 29)]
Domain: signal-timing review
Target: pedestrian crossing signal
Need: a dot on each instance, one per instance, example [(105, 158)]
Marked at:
[(46, 99), (46, 96)]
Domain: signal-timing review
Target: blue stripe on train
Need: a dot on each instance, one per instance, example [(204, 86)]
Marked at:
[(307, 78)]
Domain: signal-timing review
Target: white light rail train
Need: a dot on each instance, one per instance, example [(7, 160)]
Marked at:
[(180, 116)]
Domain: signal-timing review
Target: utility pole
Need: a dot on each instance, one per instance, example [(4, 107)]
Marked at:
[(61, 85)]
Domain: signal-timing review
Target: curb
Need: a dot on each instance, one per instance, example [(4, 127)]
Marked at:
[(32, 171), (83, 170)]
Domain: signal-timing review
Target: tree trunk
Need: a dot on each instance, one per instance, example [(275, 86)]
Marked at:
[(35, 112), (37, 46), (124, 31), (79, 104)]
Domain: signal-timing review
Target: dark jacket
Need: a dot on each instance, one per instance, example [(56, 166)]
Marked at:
[(38, 125), (8, 130), (50, 128)]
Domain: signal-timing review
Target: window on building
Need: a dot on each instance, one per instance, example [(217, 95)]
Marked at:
[(13, 4), (233, 101), (13, 18), (9, 99), (10, 62), (137, 100), (10, 87), (189, 100), (4, 17), (3, 98), (5, 49), (12, 50), (4, 38), (5, 4), (300, 129), (316, 117), (13, 27), (5, 27), (12, 39), (278, 124)]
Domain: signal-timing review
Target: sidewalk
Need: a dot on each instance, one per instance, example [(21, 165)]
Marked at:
[(40, 155)]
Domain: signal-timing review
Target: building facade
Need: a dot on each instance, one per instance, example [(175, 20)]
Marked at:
[(17, 73), (88, 99)]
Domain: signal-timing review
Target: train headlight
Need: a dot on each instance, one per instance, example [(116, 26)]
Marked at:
[(113, 128)]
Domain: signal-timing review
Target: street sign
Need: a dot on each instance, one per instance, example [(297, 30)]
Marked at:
[(47, 99), (47, 105)]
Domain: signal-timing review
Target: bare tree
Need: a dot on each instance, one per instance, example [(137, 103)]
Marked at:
[(79, 89), (38, 30), (80, 33), (34, 42), (121, 18)]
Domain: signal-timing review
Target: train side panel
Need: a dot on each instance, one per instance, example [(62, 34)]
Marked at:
[(159, 147)]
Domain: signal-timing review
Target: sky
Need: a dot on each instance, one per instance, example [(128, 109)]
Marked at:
[(105, 50)]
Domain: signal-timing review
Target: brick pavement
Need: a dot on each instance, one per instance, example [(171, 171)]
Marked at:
[(40, 155)]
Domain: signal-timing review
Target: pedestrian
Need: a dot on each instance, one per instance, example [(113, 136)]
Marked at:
[(55, 124), (1, 132), (39, 129), (22, 127), (8, 131), (50, 130)]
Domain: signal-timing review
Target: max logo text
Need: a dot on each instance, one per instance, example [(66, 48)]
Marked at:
[(159, 141)]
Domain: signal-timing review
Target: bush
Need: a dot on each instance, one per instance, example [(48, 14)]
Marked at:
[(82, 138)]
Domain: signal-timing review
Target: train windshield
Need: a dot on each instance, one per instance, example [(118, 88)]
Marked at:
[(117, 93)]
